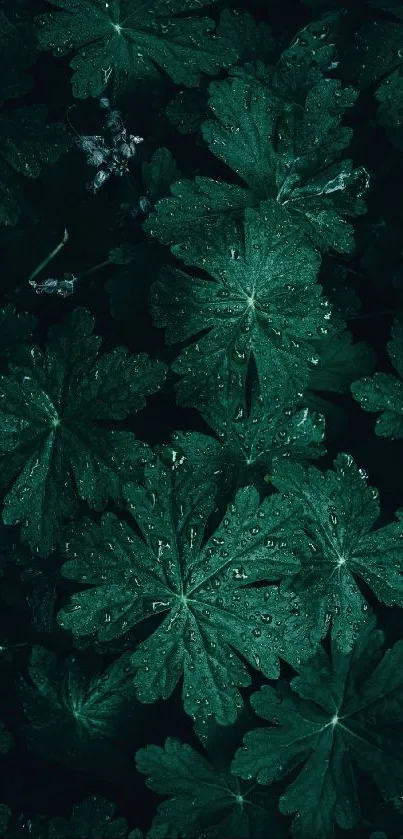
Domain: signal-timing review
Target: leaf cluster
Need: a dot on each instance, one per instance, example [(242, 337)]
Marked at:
[(201, 549)]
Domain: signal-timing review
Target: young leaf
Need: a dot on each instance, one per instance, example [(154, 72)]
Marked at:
[(343, 713), (379, 47), (253, 41), (379, 55), (203, 802), (74, 708), (340, 360), (51, 447), (200, 590), (27, 143), (338, 515), (261, 300), (159, 173), (93, 818), (130, 40), (383, 391), (187, 110)]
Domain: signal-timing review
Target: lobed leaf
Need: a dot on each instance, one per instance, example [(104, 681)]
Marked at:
[(132, 40), (208, 616), (337, 718), (52, 450)]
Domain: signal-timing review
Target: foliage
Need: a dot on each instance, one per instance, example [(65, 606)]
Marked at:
[(202, 799), (247, 441), (27, 142), (285, 142), (51, 402), (124, 38), (339, 714), (74, 709), (263, 302), (338, 515), (200, 586), (201, 402)]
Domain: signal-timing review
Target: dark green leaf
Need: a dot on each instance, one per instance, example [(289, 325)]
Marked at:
[(199, 589), (75, 709), (339, 717), (93, 818), (27, 143), (203, 802), (341, 547), (51, 446), (130, 40), (261, 301), (280, 147)]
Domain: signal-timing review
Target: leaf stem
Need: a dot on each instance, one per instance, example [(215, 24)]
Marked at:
[(95, 268), (50, 256)]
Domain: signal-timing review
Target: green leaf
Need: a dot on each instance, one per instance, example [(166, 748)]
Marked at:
[(159, 173), (75, 709), (51, 445), (281, 151), (340, 360), (379, 54), (384, 392), (342, 714), (187, 110), (202, 203), (199, 589), (311, 54), (378, 50), (27, 143), (130, 40), (246, 445), (261, 301), (93, 818), (281, 148), (203, 802), (341, 547), (253, 41)]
